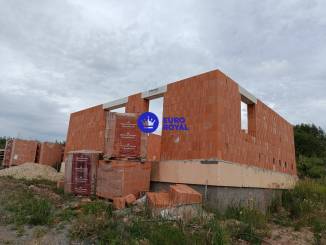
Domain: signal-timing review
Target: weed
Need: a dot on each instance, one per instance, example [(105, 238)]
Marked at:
[(218, 234), (25, 208), (96, 207), (252, 217)]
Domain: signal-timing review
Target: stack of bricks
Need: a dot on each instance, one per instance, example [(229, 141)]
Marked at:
[(123, 174), (19, 151), (123, 139), (86, 130), (50, 153), (179, 194), (119, 178)]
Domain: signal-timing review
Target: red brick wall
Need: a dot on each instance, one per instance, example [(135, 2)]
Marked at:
[(50, 153), (153, 147), (270, 140), (136, 104), (195, 99), (23, 151), (211, 105), (210, 102), (86, 130)]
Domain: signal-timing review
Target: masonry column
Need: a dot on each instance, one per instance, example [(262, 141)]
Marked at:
[(136, 104)]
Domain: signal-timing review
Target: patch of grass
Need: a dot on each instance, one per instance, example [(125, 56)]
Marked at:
[(66, 214), (96, 207), (159, 232), (304, 206), (250, 216), (217, 233), (246, 223), (307, 197), (27, 209), (39, 232)]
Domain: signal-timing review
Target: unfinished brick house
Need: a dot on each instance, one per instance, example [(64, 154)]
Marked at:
[(215, 156)]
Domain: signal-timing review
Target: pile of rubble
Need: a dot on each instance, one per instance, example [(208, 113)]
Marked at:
[(30, 171)]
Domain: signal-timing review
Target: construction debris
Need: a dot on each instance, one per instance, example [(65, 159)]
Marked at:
[(119, 202), (183, 194), (182, 212), (178, 194), (32, 171), (181, 202), (130, 199)]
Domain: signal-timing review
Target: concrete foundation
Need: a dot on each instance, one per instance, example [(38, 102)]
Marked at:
[(219, 197)]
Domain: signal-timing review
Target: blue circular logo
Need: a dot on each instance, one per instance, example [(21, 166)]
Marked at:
[(147, 122)]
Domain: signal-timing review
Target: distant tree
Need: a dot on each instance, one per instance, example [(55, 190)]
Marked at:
[(310, 146), (3, 142)]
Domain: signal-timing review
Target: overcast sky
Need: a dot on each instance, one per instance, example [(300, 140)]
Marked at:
[(57, 57)]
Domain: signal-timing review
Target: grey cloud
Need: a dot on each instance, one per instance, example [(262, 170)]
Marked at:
[(61, 56)]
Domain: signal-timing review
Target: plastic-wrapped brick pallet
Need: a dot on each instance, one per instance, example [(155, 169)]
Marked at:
[(123, 139), (120, 178), (80, 172)]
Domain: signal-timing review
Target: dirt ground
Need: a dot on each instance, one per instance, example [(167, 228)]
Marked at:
[(58, 233)]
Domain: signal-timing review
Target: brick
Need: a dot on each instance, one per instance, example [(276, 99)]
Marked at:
[(120, 178), (119, 203), (131, 198), (183, 194), (158, 199)]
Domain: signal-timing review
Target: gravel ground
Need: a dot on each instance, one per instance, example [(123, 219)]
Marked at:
[(31, 171)]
